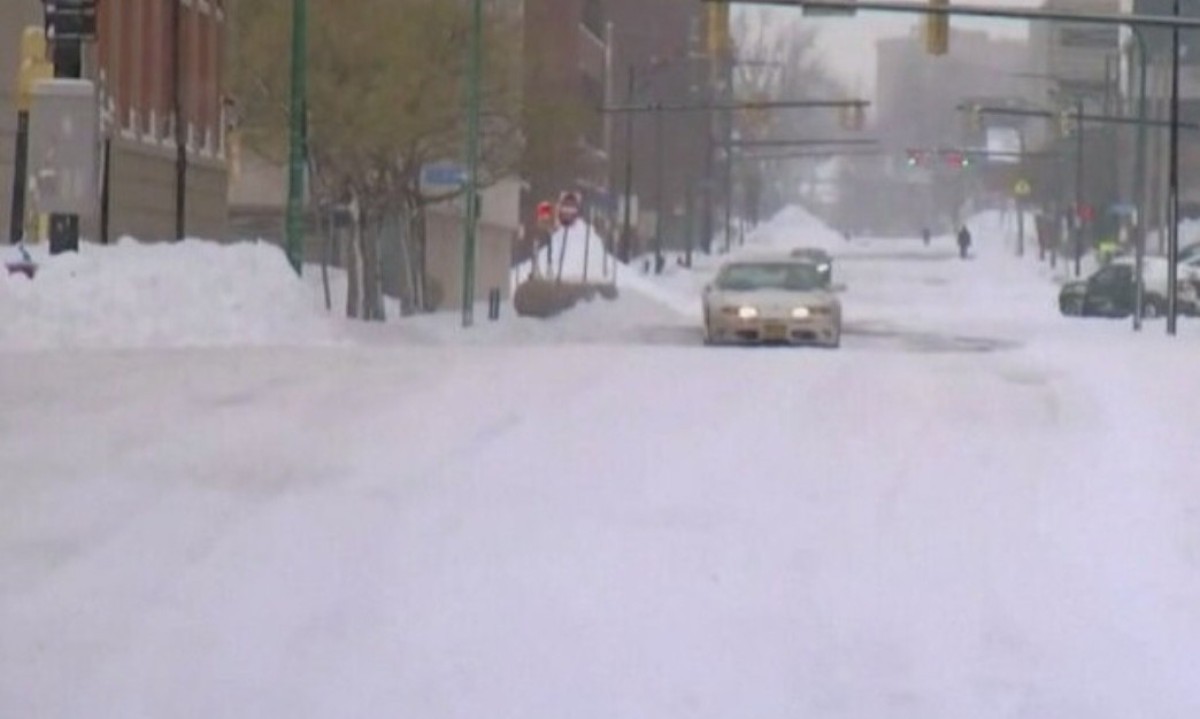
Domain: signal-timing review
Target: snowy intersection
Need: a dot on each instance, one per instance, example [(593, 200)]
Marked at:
[(976, 508)]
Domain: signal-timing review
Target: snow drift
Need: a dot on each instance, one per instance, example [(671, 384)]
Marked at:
[(132, 294)]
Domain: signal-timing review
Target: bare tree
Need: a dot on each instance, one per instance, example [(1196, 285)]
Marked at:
[(387, 82), (782, 63)]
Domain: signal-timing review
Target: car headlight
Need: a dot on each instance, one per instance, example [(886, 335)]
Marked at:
[(747, 313), (824, 268), (801, 313)]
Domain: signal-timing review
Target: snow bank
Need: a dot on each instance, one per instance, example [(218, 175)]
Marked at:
[(190, 294), (579, 254), (792, 227)]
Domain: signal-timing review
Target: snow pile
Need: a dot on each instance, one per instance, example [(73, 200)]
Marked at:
[(792, 227), (189, 294), (579, 255)]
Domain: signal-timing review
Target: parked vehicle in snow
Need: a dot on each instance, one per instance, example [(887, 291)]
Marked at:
[(1111, 290)]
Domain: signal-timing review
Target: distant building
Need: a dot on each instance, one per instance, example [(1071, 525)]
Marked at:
[(917, 95), (131, 62)]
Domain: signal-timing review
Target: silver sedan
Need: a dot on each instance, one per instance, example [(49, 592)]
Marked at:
[(772, 301)]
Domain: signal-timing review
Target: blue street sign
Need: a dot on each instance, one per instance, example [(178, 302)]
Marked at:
[(443, 174)]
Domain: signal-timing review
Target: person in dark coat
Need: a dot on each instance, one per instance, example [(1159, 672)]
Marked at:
[(964, 242)]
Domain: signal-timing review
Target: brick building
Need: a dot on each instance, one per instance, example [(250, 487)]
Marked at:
[(578, 54), (132, 64)]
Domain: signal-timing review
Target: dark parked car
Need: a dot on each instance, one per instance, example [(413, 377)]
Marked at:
[(1111, 292)]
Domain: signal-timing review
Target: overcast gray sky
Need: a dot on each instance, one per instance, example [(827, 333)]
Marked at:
[(848, 45)]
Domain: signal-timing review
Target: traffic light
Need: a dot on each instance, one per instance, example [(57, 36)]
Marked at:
[(937, 29), (70, 19)]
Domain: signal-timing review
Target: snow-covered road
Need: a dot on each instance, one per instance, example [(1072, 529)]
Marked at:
[(975, 509)]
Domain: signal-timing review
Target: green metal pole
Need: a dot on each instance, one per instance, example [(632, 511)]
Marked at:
[(472, 220), (1079, 192), (296, 156), (1139, 181)]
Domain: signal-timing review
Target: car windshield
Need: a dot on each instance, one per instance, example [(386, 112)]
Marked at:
[(750, 277)]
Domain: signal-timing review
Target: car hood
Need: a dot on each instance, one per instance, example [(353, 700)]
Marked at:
[(773, 299)]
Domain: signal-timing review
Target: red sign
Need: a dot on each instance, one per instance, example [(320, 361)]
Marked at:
[(568, 208)]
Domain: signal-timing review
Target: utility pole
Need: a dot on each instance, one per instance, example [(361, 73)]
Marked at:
[(471, 221), (1173, 190), (297, 150)]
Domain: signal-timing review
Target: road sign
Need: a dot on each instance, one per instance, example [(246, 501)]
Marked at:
[(545, 215), (1087, 213), (443, 174), (568, 208), (1022, 188)]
